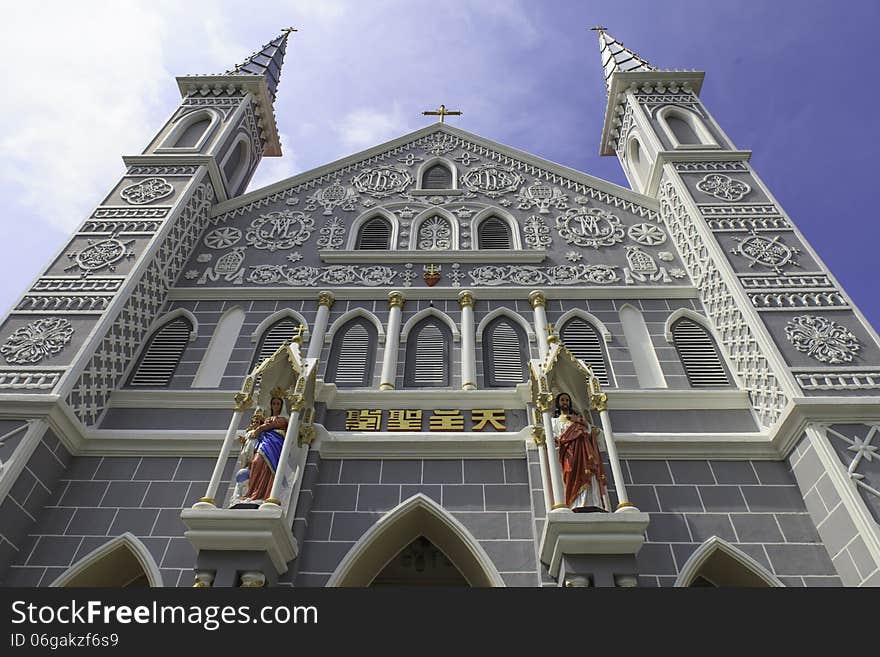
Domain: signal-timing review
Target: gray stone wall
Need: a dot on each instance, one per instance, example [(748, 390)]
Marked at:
[(342, 499), (23, 506), (847, 548), (97, 499), (754, 505)]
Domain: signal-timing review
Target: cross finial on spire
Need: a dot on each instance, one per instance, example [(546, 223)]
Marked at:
[(287, 30), (598, 28), (442, 112)]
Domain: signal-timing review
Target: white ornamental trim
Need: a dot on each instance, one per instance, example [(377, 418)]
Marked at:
[(37, 340)]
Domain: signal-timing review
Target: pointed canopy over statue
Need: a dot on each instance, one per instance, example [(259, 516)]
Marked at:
[(561, 371)]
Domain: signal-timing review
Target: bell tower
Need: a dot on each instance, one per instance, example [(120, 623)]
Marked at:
[(800, 347)]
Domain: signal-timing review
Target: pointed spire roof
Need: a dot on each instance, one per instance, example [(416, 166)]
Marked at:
[(266, 62), (616, 57)]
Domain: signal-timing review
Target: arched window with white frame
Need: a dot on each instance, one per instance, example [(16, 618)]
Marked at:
[(585, 342), (428, 355), (685, 128), (505, 353), (702, 361), (494, 233), (236, 163), (273, 337), (353, 354), (162, 354), (435, 233), (374, 234), (437, 176), (191, 131)]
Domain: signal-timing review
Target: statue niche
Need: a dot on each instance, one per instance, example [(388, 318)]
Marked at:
[(577, 441), (260, 453)]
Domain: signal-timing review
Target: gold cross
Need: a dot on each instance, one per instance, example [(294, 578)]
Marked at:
[(431, 269), (442, 112), (298, 334), (287, 30), (598, 28), (551, 334)]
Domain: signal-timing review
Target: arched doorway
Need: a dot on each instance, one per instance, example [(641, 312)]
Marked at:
[(123, 562), (716, 563), (418, 543)]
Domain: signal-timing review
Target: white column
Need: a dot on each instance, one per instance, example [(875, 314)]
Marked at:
[(601, 404), (466, 300), (209, 501), (539, 301), (291, 437), (316, 342), (556, 480), (392, 341), (540, 439)]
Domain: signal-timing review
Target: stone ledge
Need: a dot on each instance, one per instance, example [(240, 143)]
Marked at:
[(591, 533)]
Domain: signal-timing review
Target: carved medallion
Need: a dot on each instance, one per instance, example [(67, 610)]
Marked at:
[(492, 180), (334, 196), (723, 187), (440, 145), (37, 340), (280, 230), (223, 237), (646, 234), (823, 339), (382, 181), (541, 196), (146, 191), (593, 227), (762, 250), (101, 254)]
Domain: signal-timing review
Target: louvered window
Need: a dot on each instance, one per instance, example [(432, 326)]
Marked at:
[(699, 355), (162, 355), (374, 234), (281, 331), (494, 233), (437, 177), (352, 355), (428, 355), (583, 340), (505, 352)]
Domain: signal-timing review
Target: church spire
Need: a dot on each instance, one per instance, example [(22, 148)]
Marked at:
[(615, 57), (266, 62)]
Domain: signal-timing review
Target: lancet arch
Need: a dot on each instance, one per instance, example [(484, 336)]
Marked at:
[(419, 516), (123, 561), (718, 563)]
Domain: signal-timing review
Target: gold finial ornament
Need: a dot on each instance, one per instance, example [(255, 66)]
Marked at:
[(537, 298), (466, 298), (243, 401), (298, 334), (538, 435), (326, 298), (552, 338), (442, 112), (396, 299)]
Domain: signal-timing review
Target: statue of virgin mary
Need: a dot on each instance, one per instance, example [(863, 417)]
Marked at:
[(260, 453)]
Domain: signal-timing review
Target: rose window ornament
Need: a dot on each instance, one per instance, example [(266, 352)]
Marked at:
[(646, 234), (37, 340), (222, 238), (146, 191), (723, 187), (822, 339)]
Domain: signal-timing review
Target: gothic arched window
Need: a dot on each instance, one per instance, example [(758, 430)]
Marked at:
[(374, 234), (162, 354), (699, 355), (682, 130), (582, 339), (428, 355), (435, 234), (273, 337), (437, 176), (494, 233), (193, 133), (505, 354), (352, 355)]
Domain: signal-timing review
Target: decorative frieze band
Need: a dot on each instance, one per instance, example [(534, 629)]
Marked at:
[(794, 300), (769, 282), (709, 210), (748, 224), (691, 167), (35, 380), (71, 304), (840, 380), (91, 284), (162, 171), (117, 227), (158, 212)]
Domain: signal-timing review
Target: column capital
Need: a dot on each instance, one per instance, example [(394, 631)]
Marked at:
[(396, 299), (466, 298), (537, 298), (326, 298)]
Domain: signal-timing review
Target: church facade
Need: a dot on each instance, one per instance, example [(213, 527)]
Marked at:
[(405, 324)]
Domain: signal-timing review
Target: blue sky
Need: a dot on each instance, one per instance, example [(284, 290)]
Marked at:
[(95, 80)]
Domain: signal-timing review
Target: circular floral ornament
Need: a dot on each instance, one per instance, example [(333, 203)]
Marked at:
[(723, 187), (99, 255), (762, 250), (593, 227), (280, 230), (37, 340), (646, 234), (223, 238), (146, 191), (822, 338)]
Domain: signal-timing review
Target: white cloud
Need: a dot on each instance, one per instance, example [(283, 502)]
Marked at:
[(366, 127)]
